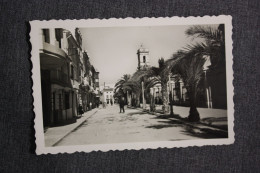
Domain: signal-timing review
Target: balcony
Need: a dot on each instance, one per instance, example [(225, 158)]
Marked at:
[(52, 56), (60, 78)]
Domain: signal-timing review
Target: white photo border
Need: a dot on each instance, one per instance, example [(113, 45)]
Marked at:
[(113, 22)]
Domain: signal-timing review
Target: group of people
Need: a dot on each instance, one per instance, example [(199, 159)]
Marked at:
[(104, 104), (89, 107)]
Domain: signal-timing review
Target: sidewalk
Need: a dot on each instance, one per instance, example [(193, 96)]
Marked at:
[(54, 134), (212, 118)]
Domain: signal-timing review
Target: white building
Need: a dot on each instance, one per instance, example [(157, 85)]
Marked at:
[(108, 95)]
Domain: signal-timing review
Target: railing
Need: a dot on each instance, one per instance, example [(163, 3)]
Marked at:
[(60, 77), (54, 49)]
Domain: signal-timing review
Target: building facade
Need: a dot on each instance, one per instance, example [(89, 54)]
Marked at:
[(143, 58), (212, 86), (108, 95), (63, 75)]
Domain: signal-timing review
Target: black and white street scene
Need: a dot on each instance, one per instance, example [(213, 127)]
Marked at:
[(106, 85)]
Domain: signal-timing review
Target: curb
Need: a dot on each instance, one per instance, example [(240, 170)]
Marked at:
[(66, 134)]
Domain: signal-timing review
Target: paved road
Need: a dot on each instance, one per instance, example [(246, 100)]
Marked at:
[(110, 126)]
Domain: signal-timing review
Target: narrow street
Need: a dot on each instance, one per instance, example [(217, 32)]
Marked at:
[(109, 126)]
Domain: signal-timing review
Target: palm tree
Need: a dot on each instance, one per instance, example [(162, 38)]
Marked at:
[(120, 83), (120, 87), (188, 63), (150, 83), (155, 75), (214, 37), (164, 79), (133, 89), (215, 42)]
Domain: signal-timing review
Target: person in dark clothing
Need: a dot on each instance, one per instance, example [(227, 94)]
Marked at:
[(122, 104), (97, 103), (80, 110)]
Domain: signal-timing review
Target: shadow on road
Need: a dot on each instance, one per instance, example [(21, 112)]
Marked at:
[(219, 122), (169, 116), (166, 124), (136, 113), (204, 133), (188, 128)]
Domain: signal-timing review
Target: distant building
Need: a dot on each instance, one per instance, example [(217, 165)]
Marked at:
[(95, 85), (108, 95)]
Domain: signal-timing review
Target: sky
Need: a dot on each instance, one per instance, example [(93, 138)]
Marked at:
[(113, 50)]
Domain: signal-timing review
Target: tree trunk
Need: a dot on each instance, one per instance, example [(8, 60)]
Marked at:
[(125, 96), (144, 101), (171, 103), (129, 99), (137, 99), (165, 107), (194, 114), (152, 105)]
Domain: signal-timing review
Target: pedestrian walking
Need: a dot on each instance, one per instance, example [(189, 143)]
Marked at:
[(122, 104), (90, 105), (111, 102), (97, 103), (80, 110), (104, 104)]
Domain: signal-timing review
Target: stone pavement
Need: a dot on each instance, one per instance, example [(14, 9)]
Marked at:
[(108, 126), (54, 134)]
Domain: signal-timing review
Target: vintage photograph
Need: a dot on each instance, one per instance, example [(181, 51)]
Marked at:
[(132, 83)]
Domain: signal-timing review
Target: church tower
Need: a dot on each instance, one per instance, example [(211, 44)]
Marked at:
[(143, 58)]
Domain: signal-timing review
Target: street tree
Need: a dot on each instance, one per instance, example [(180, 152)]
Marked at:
[(120, 87), (133, 90), (188, 63), (153, 76), (214, 38)]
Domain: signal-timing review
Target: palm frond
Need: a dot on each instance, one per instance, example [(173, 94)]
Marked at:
[(174, 61), (151, 83), (120, 83), (134, 86), (206, 32)]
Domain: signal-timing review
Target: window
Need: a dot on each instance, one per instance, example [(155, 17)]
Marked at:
[(144, 59), (71, 72), (67, 100), (79, 75), (60, 102), (46, 35), (58, 35)]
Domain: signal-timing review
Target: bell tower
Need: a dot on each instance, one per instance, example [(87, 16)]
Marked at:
[(143, 58)]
